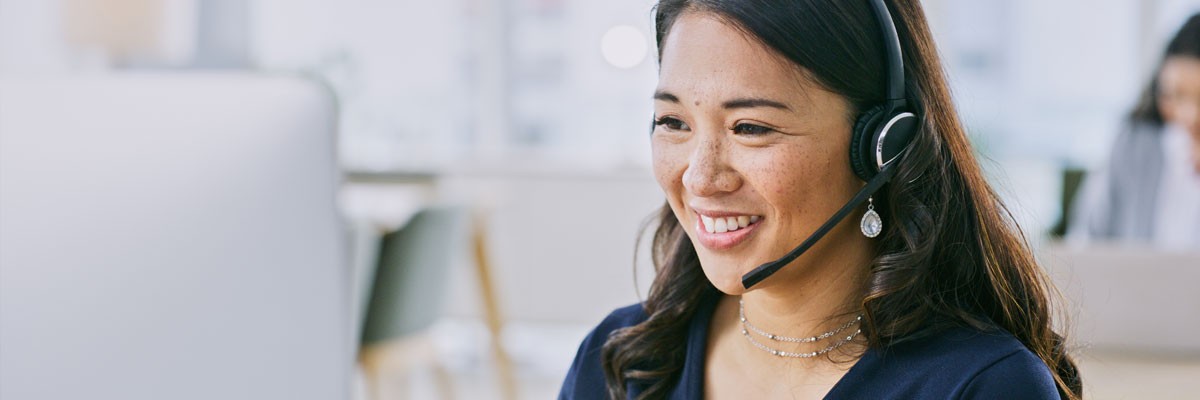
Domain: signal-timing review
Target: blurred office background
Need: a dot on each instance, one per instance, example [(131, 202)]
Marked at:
[(516, 130)]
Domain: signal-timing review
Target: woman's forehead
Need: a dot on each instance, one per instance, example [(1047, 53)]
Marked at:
[(705, 58), (1180, 72)]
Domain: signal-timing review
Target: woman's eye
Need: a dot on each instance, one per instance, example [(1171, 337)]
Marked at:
[(671, 123), (751, 129)]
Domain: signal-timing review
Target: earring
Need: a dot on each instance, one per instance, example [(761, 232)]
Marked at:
[(871, 224)]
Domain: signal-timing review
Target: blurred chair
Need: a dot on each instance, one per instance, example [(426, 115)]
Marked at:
[(406, 296), (405, 299), (1072, 179)]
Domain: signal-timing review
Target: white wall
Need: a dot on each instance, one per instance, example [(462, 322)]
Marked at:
[(31, 37)]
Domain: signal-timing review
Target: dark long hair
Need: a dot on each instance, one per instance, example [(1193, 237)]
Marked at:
[(954, 255), (1186, 43)]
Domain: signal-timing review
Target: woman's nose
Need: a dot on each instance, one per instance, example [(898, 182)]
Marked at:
[(1184, 112), (708, 172)]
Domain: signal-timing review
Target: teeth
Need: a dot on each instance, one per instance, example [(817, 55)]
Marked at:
[(727, 224)]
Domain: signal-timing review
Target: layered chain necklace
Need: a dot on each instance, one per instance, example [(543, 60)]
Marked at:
[(748, 330)]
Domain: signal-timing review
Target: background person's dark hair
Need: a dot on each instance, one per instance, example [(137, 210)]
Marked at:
[(953, 255), (1186, 43)]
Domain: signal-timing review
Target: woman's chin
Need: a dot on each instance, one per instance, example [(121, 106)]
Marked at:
[(726, 278)]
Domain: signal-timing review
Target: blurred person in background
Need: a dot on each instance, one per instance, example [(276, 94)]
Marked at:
[(766, 119), (1149, 190)]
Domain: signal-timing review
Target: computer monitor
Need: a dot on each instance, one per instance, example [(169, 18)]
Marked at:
[(1129, 297), (170, 236)]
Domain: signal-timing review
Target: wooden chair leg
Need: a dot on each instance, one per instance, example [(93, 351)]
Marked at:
[(387, 368), (491, 308), (444, 381), (377, 375)]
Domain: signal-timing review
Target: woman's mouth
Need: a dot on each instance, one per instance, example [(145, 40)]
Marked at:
[(726, 230), (726, 224)]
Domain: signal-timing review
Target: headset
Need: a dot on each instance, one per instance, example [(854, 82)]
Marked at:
[(880, 136)]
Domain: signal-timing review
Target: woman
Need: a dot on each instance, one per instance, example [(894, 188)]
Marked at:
[(754, 115), (1149, 191)]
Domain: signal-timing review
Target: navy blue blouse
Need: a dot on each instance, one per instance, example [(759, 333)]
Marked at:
[(953, 364)]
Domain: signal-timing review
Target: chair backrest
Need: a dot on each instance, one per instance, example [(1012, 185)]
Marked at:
[(171, 236), (1072, 179), (411, 277)]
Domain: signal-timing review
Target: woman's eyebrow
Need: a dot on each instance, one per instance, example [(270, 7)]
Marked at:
[(665, 96), (746, 102), (755, 102)]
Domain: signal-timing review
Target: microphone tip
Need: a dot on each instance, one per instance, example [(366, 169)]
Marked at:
[(754, 277)]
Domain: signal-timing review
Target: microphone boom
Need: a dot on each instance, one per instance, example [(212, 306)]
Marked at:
[(766, 270)]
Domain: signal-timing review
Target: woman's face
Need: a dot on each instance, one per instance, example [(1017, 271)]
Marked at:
[(1179, 98), (752, 155)]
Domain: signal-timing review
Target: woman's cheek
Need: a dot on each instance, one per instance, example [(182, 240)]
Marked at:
[(669, 162), (1196, 155)]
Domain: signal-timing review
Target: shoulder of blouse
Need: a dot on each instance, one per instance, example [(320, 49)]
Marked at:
[(585, 379)]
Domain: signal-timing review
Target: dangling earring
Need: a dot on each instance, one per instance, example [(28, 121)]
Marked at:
[(871, 224)]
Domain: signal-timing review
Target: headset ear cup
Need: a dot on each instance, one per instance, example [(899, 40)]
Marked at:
[(861, 161)]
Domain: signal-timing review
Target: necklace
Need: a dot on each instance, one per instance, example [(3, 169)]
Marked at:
[(747, 328)]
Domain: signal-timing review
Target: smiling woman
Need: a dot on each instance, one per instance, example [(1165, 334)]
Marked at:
[(758, 105), (742, 133)]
